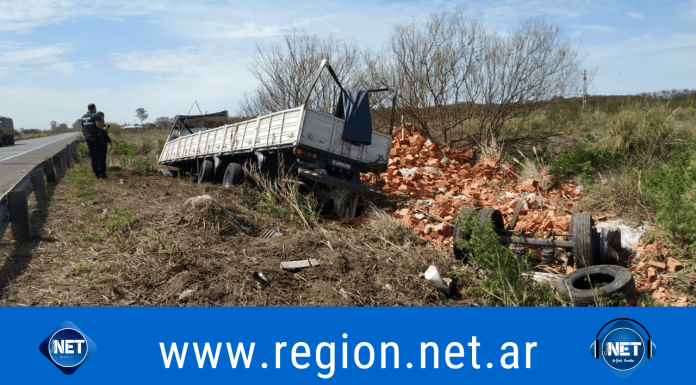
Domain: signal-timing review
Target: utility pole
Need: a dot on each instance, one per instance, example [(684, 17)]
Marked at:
[(584, 89)]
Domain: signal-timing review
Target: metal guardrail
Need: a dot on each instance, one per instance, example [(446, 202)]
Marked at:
[(14, 208)]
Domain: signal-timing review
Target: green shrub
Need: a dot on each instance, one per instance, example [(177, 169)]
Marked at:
[(675, 187), (584, 162), (142, 163), (504, 284), (82, 149), (121, 147)]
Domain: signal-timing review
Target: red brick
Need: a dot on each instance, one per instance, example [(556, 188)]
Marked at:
[(656, 285), (673, 264), (657, 265), (652, 275)]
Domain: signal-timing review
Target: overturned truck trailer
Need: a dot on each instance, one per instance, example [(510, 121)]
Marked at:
[(327, 152)]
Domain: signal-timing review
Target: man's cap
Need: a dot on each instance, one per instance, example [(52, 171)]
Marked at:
[(91, 106)]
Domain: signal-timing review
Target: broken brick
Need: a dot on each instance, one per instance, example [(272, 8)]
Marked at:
[(651, 274), (673, 264), (657, 265), (656, 285)]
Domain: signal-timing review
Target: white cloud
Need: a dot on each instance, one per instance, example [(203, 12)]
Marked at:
[(635, 15), (32, 55), (26, 15), (600, 28)]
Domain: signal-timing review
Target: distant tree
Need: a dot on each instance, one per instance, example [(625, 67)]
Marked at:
[(54, 124), (63, 126), (77, 125), (163, 122), (141, 114)]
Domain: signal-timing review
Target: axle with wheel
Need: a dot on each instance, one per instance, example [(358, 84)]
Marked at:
[(585, 244)]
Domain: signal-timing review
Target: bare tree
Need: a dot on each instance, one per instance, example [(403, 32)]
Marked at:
[(54, 125), (522, 73), (286, 70), (465, 84), (431, 68)]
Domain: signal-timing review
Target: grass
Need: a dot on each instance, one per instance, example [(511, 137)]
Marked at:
[(82, 179), (283, 199), (100, 226)]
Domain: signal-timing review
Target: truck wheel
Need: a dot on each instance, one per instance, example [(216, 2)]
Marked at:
[(234, 175), (606, 280), (205, 174), (346, 203), (2, 141), (12, 140)]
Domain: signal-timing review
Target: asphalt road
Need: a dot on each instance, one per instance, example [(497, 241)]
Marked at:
[(24, 155)]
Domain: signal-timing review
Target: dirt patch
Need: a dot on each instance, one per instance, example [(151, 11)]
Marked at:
[(139, 244)]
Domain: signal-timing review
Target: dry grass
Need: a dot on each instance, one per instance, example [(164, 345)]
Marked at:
[(169, 246)]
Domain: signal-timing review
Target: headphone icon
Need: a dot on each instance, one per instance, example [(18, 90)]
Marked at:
[(596, 342)]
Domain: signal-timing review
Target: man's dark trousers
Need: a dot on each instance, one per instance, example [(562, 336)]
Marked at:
[(97, 154)]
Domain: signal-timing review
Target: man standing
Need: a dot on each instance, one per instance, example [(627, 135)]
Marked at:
[(92, 128)]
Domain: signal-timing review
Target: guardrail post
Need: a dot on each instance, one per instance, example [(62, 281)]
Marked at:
[(39, 185), (49, 170), (63, 161), (67, 153), (59, 165), (19, 214)]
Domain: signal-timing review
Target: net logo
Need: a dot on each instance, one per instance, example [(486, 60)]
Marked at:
[(68, 347), (623, 347)]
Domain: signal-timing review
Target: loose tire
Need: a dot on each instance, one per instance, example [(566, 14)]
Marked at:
[(205, 174), (606, 280), (234, 175), (585, 242)]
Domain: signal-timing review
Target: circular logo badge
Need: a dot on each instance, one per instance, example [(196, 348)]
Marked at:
[(67, 347), (623, 349)]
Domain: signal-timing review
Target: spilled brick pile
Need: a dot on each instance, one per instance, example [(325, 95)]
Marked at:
[(438, 182)]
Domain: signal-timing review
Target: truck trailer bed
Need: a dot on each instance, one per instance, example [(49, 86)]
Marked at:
[(299, 126)]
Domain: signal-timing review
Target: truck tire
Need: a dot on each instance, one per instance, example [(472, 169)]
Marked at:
[(205, 173), (607, 280), (234, 175), (585, 243)]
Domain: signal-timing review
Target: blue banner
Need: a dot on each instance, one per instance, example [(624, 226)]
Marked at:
[(343, 345)]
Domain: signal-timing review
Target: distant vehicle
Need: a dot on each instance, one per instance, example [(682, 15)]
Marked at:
[(6, 131), (328, 152), (133, 127)]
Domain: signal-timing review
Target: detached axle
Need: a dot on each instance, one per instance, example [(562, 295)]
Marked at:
[(585, 244)]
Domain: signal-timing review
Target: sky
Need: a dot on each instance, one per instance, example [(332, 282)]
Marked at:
[(56, 56)]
